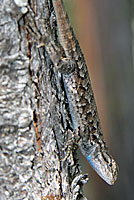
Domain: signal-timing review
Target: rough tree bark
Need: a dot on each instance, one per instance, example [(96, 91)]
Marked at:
[(34, 120)]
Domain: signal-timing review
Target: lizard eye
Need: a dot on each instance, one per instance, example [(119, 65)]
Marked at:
[(110, 165)]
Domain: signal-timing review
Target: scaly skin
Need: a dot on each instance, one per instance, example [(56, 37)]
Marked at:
[(81, 100)]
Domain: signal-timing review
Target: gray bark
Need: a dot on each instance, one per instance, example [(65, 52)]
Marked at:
[(34, 120)]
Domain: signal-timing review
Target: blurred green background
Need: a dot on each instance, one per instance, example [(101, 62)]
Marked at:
[(103, 29)]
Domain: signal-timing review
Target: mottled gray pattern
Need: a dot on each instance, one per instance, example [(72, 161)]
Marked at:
[(81, 100)]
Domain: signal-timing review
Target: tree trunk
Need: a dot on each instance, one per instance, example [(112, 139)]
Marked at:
[(34, 117)]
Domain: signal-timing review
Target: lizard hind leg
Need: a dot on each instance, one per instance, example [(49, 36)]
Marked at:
[(66, 66)]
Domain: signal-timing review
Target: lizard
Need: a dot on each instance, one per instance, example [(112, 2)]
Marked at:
[(83, 109)]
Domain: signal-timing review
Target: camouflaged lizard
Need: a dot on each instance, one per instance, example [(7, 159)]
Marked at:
[(81, 100)]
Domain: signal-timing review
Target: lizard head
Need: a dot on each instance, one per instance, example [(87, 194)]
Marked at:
[(104, 164)]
